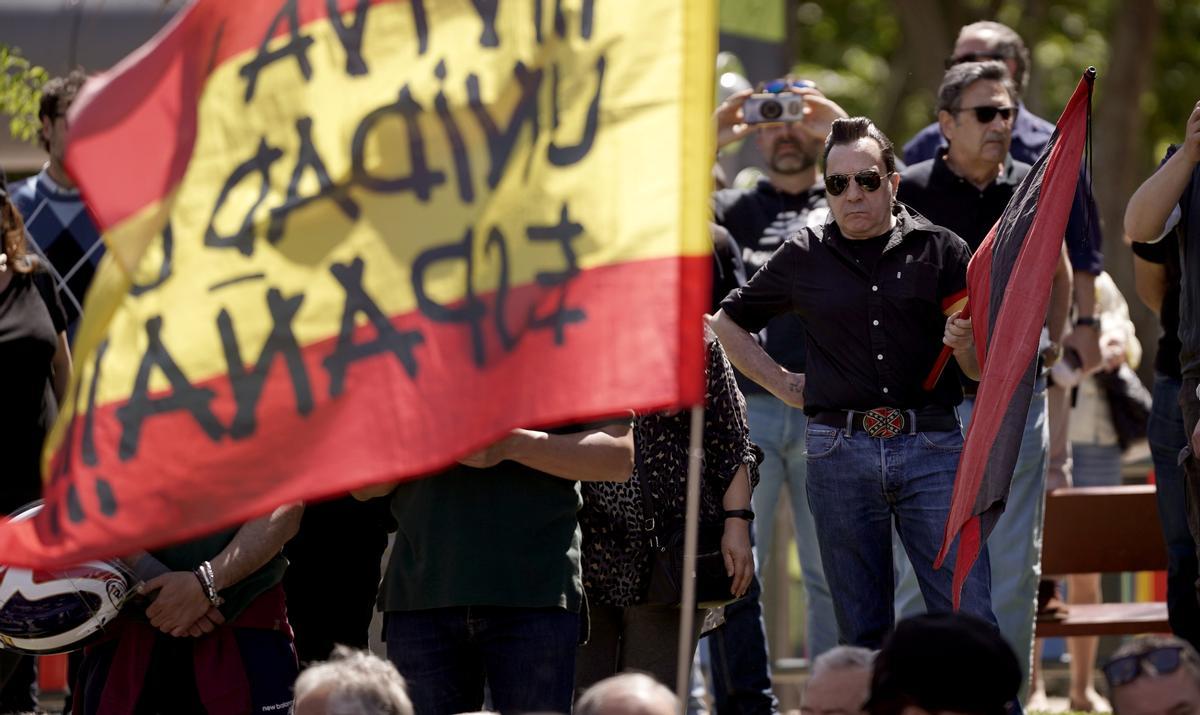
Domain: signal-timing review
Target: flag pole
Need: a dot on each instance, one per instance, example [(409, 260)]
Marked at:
[(935, 374), (687, 601)]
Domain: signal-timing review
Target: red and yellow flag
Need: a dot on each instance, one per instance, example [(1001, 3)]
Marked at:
[(352, 240)]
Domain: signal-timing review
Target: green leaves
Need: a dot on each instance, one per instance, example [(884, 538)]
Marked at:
[(20, 88)]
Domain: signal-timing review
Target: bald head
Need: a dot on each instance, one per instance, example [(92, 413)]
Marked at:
[(994, 40), (840, 682), (627, 694)]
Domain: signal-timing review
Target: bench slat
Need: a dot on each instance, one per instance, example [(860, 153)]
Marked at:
[(1102, 530), (1101, 619)]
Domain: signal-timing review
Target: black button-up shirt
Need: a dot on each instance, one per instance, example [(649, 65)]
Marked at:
[(760, 220), (872, 335), (945, 198)]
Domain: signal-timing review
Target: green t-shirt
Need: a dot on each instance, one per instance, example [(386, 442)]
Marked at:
[(188, 555), (502, 536)]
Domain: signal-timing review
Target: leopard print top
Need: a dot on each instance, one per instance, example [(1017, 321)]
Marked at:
[(616, 552)]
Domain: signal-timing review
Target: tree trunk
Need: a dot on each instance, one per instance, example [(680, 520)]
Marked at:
[(1119, 157), (927, 40)]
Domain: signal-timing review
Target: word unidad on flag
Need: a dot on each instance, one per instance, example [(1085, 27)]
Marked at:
[(365, 238)]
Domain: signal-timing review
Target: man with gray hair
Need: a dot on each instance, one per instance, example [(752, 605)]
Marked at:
[(1030, 133), (840, 682), (352, 682), (966, 188), (627, 694), (1154, 675)]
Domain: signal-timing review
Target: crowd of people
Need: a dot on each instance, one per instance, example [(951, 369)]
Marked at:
[(526, 577)]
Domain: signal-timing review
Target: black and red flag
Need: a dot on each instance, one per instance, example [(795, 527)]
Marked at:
[(1009, 281)]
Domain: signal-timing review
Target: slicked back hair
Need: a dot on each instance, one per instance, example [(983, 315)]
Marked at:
[(848, 131)]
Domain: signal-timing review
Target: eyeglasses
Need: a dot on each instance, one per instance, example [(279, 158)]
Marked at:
[(869, 180), (1162, 661), (776, 86), (985, 115), (973, 57)]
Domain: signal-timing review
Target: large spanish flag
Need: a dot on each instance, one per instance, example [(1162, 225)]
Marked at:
[(353, 240)]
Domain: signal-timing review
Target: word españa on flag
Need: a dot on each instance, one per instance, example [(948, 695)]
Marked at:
[(488, 319)]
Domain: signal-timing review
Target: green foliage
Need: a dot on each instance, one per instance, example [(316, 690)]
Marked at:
[(858, 53), (20, 88)]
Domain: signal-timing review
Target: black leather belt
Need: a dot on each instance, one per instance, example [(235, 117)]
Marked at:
[(888, 422)]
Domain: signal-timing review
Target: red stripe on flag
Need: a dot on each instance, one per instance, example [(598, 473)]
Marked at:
[(181, 484), (979, 283)]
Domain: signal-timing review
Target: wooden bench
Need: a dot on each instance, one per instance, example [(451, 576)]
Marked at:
[(1104, 530)]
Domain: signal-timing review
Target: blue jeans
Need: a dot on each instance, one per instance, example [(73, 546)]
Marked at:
[(779, 431), (857, 486), (1095, 465), (1015, 545), (740, 660), (1167, 438), (525, 657)]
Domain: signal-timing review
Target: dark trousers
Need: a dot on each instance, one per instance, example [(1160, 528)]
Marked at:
[(339, 542), (1190, 407), (740, 659), (524, 656), (167, 679), (636, 638), (1167, 439), (18, 682)]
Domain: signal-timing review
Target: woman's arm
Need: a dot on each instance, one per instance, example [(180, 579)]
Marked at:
[(60, 368), (735, 541)]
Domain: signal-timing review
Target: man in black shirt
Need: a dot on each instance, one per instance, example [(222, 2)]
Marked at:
[(789, 198), (1170, 198), (965, 188), (873, 287)]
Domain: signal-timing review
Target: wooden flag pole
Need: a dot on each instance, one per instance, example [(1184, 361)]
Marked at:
[(687, 601), (936, 373)]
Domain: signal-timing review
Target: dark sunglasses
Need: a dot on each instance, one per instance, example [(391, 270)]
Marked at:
[(973, 57), (869, 180), (776, 86), (986, 114), (1162, 661)]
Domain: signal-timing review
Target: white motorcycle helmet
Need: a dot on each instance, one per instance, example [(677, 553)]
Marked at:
[(54, 611)]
